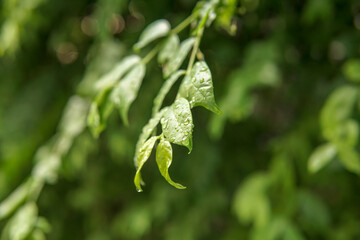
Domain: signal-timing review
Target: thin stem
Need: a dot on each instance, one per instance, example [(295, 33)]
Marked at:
[(194, 50), (151, 54), (185, 23)]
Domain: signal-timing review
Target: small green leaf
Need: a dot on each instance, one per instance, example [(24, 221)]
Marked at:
[(321, 157), (117, 72), (198, 88), (338, 108), (155, 30), (125, 92), (251, 203), (165, 89), (146, 132), (178, 58), (164, 159), (100, 110), (73, 120), (351, 70), (169, 48), (177, 124), (9, 205), (144, 154), (22, 223), (349, 158)]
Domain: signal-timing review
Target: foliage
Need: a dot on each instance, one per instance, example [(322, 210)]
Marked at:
[(87, 86)]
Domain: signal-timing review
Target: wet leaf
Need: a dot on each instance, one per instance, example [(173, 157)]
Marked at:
[(153, 31), (117, 72), (125, 92), (321, 157), (198, 88), (165, 89), (144, 154), (164, 159), (178, 58), (169, 48), (177, 124)]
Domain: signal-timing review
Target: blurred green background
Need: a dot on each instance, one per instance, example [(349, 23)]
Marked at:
[(281, 162)]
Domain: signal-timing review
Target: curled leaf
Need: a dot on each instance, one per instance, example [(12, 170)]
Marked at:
[(144, 154), (198, 88), (125, 92), (177, 124), (164, 159), (155, 30)]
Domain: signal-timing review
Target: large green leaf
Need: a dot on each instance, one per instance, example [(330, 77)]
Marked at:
[(198, 88), (165, 89), (177, 124), (117, 72), (126, 90), (164, 159), (144, 154), (169, 48), (321, 157), (177, 59), (155, 30)]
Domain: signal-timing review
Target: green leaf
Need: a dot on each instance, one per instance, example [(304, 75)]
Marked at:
[(351, 70), (164, 159), (125, 92), (9, 205), (93, 120), (117, 72), (146, 132), (321, 157), (338, 108), (169, 48), (21, 224), (198, 88), (177, 124), (178, 58), (165, 89), (153, 31), (251, 203), (349, 158), (100, 109), (73, 120), (144, 154)]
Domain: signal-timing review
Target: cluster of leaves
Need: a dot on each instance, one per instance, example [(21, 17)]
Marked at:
[(296, 94), (120, 87)]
